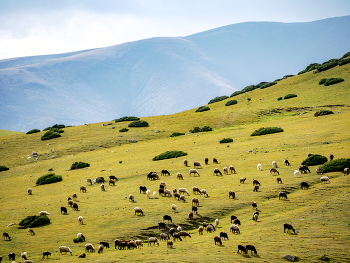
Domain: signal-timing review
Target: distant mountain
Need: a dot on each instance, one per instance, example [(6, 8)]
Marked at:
[(160, 75)]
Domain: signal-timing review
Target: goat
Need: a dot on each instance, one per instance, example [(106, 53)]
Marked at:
[(217, 240), (288, 227)]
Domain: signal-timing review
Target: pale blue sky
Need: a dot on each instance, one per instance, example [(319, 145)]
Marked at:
[(37, 27)]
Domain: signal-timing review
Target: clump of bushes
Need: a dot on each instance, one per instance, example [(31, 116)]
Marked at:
[(169, 155), (34, 221), (335, 165), (174, 134), (266, 130), (79, 165), (333, 81), (138, 124), (33, 131), (323, 112), (202, 108), (49, 179), (127, 118), (268, 84), (231, 102), (123, 130), (204, 129), (280, 98), (78, 239), (217, 99), (3, 168), (315, 160), (226, 140), (289, 96), (50, 135), (322, 81)]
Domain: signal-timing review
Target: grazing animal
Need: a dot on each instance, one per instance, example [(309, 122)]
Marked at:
[(288, 227), (164, 173), (183, 198), (256, 216), (190, 215), (194, 172), (179, 228), (161, 225), (324, 179), (152, 176), (169, 243), (174, 208), (89, 248), (256, 188), (131, 197), (47, 254), (255, 205), (242, 248), (138, 243), (185, 162), (30, 191), (197, 164), (65, 249), (242, 180), (309, 154), (138, 210), (216, 222), (273, 171), (83, 189), (105, 244), (259, 167), (223, 235), (167, 218), (167, 192), (297, 173), (153, 240), (75, 196), (210, 228), (282, 195), (346, 171), (206, 160), (100, 249), (195, 201), (195, 209), (111, 182), (196, 190), (148, 193), (112, 177), (217, 171), (237, 222), (279, 180), (80, 235), (231, 193), (44, 213), (24, 255), (251, 248), (183, 190), (256, 182), (184, 234), (217, 240), (80, 218), (304, 185), (200, 230), (103, 187), (204, 192), (63, 210), (12, 256), (31, 231), (233, 218), (286, 162), (179, 176), (172, 231), (89, 181), (143, 189), (319, 171), (331, 157), (70, 203), (225, 170), (234, 229), (274, 164), (205, 224), (304, 169), (177, 236), (215, 161), (75, 206), (232, 169), (177, 195), (82, 255), (154, 195), (174, 190)]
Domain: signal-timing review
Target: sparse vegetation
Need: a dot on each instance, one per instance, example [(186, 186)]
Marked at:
[(127, 118), (315, 160), (335, 165), (49, 179), (268, 84), (123, 130), (50, 135), (323, 112), (34, 221), (204, 129), (280, 98), (266, 130), (289, 96), (203, 108), (3, 168), (79, 165), (217, 99), (175, 134), (139, 123), (226, 140), (231, 102), (33, 131), (169, 155)]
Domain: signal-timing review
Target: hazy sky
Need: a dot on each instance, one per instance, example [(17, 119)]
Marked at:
[(37, 27)]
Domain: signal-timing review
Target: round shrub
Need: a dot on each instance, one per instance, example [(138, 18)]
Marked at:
[(322, 81), (126, 118), (203, 108), (78, 239), (332, 81), (335, 165), (280, 98), (3, 168), (169, 155), (231, 102), (33, 131), (226, 140), (217, 99), (138, 124), (289, 96), (79, 165), (34, 221), (323, 112), (58, 126), (49, 179), (123, 130), (204, 129), (315, 160), (174, 134), (50, 135), (266, 130)]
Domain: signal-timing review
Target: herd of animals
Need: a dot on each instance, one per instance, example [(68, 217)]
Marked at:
[(175, 233)]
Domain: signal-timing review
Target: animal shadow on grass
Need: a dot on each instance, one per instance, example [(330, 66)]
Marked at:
[(246, 255), (255, 255)]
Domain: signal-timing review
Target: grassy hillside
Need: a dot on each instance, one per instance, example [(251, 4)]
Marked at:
[(319, 214), (5, 133)]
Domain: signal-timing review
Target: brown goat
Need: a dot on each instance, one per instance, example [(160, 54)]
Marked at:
[(217, 240), (231, 193)]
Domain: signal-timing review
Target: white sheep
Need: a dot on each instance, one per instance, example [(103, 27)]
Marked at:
[(174, 208), (204, 192), (80, 218), (44, 213), (131, 197), (183, 190), (259, 167), (225, 170), (179, 176), (24, 255), (30, 191), (89, 247), (148, 192), (138, 243), (234, 228), (80, 235), (274, 164), (194, 172), (65, 249), (179, 229), (154, 195), (182, 198), (153, 240), (216, 222), (324, 179), (138, 210), (232, 169), (167, 192), (100, 249), (297, 173)]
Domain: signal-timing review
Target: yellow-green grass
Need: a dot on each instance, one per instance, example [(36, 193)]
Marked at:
[(5, 132), (319, 215)]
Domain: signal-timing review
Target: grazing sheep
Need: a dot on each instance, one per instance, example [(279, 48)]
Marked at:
[(138, 210), (274, 164), (89, 181), (304, 185), (255, 205), (273, 171), (82, 255), (100, 249), (112, 177), (231, 193), (195, 209), (179, 176), (174, 208), (167, 192), (164, 236), (205, 225), (190, 215), (183, 190), (242, 180), (167, 218), (195, 201), (225, 170), (304, 169), (195, 164), (217, 240), (131, 197), (177, 236), (31, 231), (161, 191), (164, 173), (172, 231), (80, 235), (185, 162), (233, 218), (256, 216), (324, 179), (65, 249), (251, 248), (142, 189), (75, 206), (215, 161), (80, 218), (12, 256), (196, 190), (111, 182), (103, 187), (177, 195), (256, 182), (30, 191), (256, 188), (148, 192), (184, 234), (217, 171), (237, 222), (279, 180), (183, 198), (174, 190), (331, 157), (282, 195), (232, 169), (161, 225), (24, 255), (153, 240), (83, 189), (297, 173), (318, 170), (179, 229), (234, 229), (200, 230), (216, 222), (204, 192), (154, 195), (288, 227), (346, 171), (210, 228), (223, 235), (89, 248), (44, 213), (286, 162), (152, 176), (47, 254), (194, 172), (169, 243), (259, 167), (206, 160), (75, 196), (242, 248), (70, 203), (138, 243)]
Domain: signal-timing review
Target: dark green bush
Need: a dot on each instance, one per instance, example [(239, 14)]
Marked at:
[(138, 124), (79, 165), (280, 98), (174, 134), (268, 84), (335, 165), (3, 168), (323, 112), (169, 155), (204, 129), (123, 130), (78, 239), (231, 102), (57, 130), (266, 130), (217, 99), (289, 96), (58, 126), (126, 118), (332, 81), (48, 179), (33, 131), (346, 55), (34, 221), (344, 62), (50, 135), (310, 68), (226, 140), (47, 129), (315, 160), (322, 81), (203, 108)]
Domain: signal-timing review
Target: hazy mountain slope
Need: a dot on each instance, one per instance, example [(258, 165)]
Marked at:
[(160, 75)]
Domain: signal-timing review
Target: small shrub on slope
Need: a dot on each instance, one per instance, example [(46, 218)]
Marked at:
[(174, 134), (231, 102), (315, 160), (123, 130), (280, 98), (204, 129), (49, 179), (203, 108), (322, 81), (33, 131), (79, 165), (169, 155), (126, 118), (289, 96), (3, 168), (34, 221), (323, 112), (266, 130), (217, 99), (138, 124), (332, 81), (226, 140), (78, 239), (335, 165), (50, 135)]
